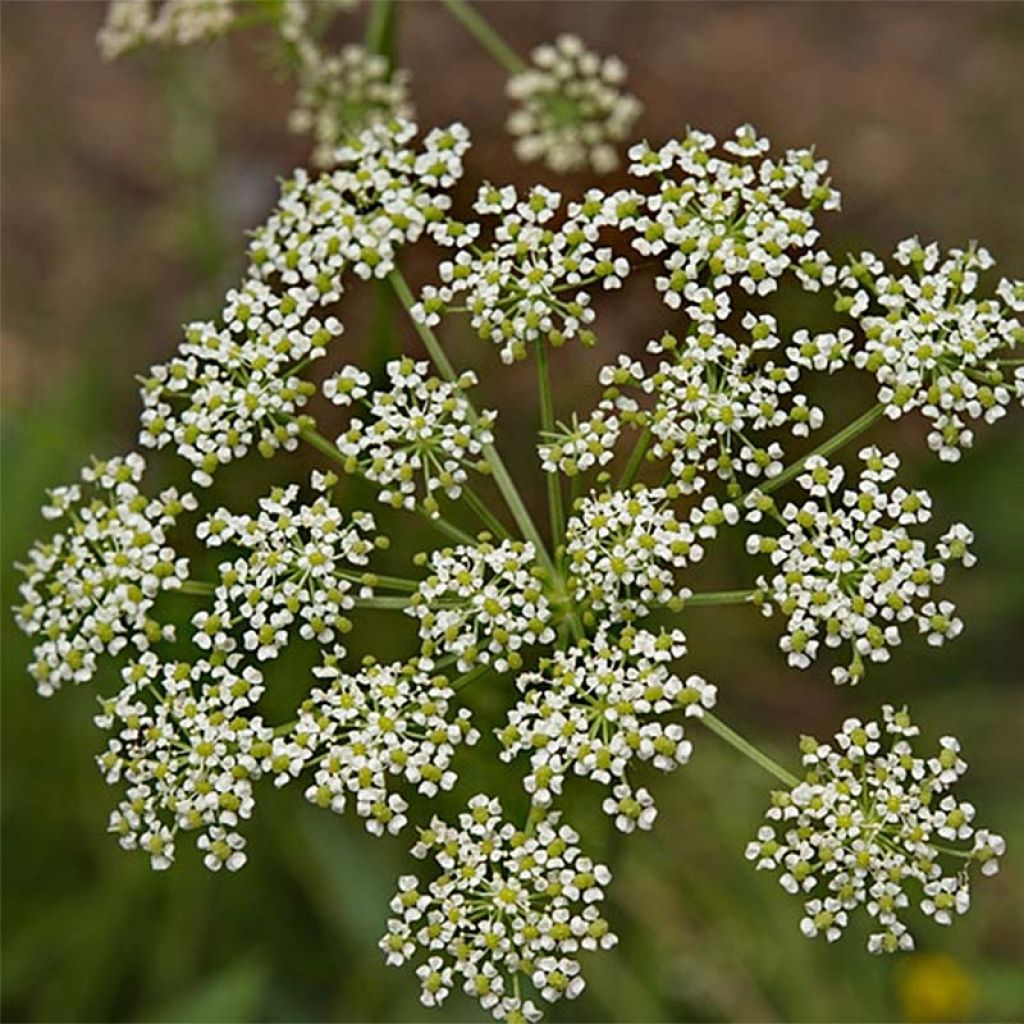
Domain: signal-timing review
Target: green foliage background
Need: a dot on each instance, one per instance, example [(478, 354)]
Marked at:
[(125, 192)]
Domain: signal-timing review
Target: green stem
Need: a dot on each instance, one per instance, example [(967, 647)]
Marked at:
[(380, 29), (196, 588), (486, 36), (376, 579), (836, 441), (556, 510), (747, 749), (470, 677), (636, 459), (382, 602), (318, 441), (483, 513), (720, 597), (450, 530), (498, 470)]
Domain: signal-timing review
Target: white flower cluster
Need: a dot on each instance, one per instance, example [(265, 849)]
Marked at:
[(870, 817), (357, 730), (187, 750), (341, 94), (571, 109), (708, 399), (483, 604), (89, 589), (507, 907), (134, 23), (529, 286), (236, 383), (740, 217), (575, 449), (296, 570), (383, 194), (596, 709), (625, 548), (931, 343), (420, 430), (848, 571)]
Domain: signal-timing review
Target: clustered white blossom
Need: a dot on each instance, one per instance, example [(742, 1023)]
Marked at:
[(597, 696), (932, 343), (340, 94), (483, 604), (847, 569), (420, 434), (708, 400), (235, 383), (357, 730), (187, 749), (624, 549), (133, 23), (571, 109), (875, 825), (507, 907), (90, 588), (595, 708), (740, 217), (297, 569), (529, 286), (582, 446)]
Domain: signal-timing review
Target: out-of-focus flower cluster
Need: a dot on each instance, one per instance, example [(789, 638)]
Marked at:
[(875, 825), (847, 569), (571, 111), (506, 906), (131, 24), (341, 94)]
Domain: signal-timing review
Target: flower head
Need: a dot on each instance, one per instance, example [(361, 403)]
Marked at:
[(297, 571), (483, 604), (531, 285), (420, 436), (505, 907), (90, 589), (594, 710), (384, 722), (624, 549), (187, 748), (739, 216), (572, 111), (847, 570), (932, 343), (874, 825)]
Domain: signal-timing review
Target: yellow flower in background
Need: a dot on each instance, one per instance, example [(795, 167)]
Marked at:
[(935, 986)]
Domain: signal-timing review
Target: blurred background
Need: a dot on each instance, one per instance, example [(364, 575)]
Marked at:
[(126, 191)]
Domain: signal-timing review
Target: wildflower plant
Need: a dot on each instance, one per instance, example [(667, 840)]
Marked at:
[(576, 627)]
